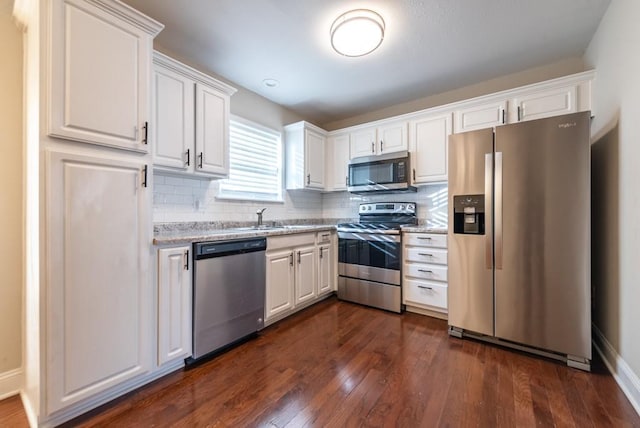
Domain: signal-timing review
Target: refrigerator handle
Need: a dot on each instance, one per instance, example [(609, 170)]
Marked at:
[(488, 219), (498, 210)]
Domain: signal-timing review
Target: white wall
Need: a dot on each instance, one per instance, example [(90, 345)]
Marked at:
[(11, 189), (613, 51)]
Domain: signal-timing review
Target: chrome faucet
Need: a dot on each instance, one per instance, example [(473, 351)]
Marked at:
[(259, 212)]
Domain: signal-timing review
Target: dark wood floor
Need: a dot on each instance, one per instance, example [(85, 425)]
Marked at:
[(338, 364)]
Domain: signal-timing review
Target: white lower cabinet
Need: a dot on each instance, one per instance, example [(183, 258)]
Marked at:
[(174, 304), (424, 277), (306, 278), (280, 283), (300, 271), (327, 262), (99, 295)]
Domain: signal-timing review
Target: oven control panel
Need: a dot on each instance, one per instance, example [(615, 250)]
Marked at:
[(388, 208)]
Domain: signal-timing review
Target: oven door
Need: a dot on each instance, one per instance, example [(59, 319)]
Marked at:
[(370, 256)]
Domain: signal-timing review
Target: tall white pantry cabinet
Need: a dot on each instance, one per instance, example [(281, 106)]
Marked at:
[(90, 312)]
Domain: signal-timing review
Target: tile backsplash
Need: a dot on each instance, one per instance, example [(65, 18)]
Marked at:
[(186, 199)]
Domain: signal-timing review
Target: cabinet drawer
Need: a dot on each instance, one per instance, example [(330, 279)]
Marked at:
[(425, 293), (425, 255), (429, 272), (323, 237), (426, 239)]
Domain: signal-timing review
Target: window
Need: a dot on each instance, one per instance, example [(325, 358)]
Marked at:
[(255, 163)]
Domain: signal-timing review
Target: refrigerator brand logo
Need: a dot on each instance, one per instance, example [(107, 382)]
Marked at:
[(567, 125)]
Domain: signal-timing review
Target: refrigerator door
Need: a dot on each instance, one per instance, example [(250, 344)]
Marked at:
[(470, 255), (542, 234)]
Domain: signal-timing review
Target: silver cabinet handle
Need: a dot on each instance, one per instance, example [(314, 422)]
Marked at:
[(321, 248), (291, 259), (381, 146), (519, 114), (425, 237), (299, 257), (414, 174), (373, 147), (488, 187), (425, 254), (188, 157), (425, 271), (498, 211), (186, 260), (424, 287), (200, 163), (308, 179), (504, 116)]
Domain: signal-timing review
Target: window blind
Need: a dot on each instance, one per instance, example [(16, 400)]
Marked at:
[(255, 163)]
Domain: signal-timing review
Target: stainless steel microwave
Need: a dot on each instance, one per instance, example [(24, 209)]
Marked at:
[(390, 173)]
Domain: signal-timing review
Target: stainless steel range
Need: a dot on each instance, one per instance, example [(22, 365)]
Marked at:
[(370, 252)]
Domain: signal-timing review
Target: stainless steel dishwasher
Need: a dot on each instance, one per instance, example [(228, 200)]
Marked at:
[(228, 293)]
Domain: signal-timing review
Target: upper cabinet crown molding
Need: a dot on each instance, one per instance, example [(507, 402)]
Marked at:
[(197, 76), (130, 15)]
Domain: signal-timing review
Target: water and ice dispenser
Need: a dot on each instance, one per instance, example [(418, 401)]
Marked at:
[(468, 214)]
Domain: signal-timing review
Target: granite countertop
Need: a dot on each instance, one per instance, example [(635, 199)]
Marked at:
[(181, 234), (424, 229)]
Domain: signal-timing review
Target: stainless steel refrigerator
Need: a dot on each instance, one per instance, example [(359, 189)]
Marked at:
[(519, 236)]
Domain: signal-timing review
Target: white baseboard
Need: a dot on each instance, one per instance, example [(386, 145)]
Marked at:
[(10, 383), (628, 381)]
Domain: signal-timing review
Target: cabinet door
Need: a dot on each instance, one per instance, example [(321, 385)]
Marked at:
[(174, 304), (212, 132), (338, 162), (429, 137), (100, 73), (173, 120), (481, 116), (539, 105), (98, 308), (392, 137), (314, 159), (280, 279), (306, 277), (325, 264), (363, 142)]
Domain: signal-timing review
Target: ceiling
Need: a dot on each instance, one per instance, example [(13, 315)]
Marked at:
[(430, 46)]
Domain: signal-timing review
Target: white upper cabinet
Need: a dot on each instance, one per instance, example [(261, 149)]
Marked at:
[(541, 104), (305, 154), (537, 101), (481, 116), (428, 138), (100, 72), (387, 137), (212, 132), (173, 119), (190, 132), (337, 166)]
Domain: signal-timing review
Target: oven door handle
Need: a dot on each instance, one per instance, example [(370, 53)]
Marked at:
[(373, 237)]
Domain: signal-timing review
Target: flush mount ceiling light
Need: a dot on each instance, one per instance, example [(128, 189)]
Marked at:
[(357, 32)]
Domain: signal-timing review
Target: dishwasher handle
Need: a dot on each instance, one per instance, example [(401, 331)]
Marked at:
[(208, 250)]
